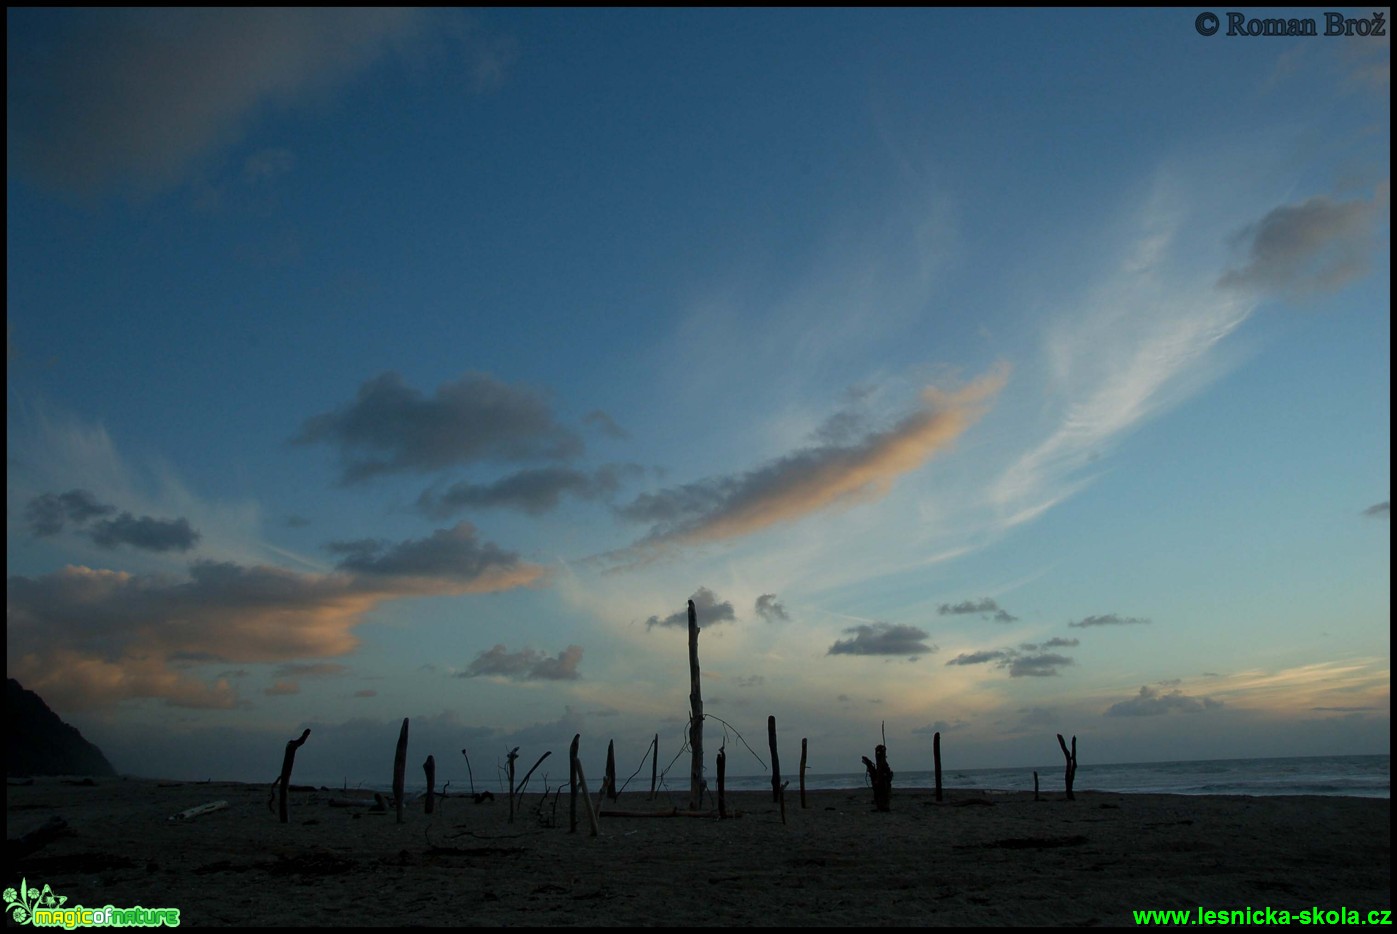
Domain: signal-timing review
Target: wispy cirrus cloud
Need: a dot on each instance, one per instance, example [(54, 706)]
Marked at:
[(1131, 346)]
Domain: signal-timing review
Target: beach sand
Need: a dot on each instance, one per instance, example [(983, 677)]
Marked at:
[(837, 862)]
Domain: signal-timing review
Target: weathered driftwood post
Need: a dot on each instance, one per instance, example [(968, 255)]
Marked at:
[(695, 716), (775, 760), (803, 742), (587, 798), (936, 756), (400, 769), (1071, 764), (611, 769), (430, 767), (1035, 786), (572, 782), (513, 754), (722, 768), (882, 778), (469, 773), (284, 782), (654, 765)]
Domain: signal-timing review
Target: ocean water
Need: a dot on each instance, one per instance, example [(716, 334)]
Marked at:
[(1356, 776)]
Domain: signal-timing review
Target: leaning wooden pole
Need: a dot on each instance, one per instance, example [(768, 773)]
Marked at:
[(430, 767), (803, 742), (695, 716), (936, 757), (284, 782), (1071, 758), (400, 769)]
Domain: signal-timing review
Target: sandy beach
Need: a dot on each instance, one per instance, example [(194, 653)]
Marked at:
[(838, 862)]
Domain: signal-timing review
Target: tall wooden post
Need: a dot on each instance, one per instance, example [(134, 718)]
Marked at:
[(284, 782), (400, 769), (654, 765), (722, 769), (430, 767), (775, 760), (695, 716), (572, 783), (513, 754), (610, 778), (803, 742), (936, 756), (1071, 764)]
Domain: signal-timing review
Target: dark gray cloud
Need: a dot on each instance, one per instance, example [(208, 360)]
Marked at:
[(883, 639), (145, 533), (1151, 703), (282, 688), (749, 681), (526, 664), (534, 490), (453, 554), (138, 99), (812, 479), (1381, 510), (366, 692), (980, 658), (1345, 709), (392, 428), (604, 423), (47, 513), (1319, 245), (708, 609), (941, 726), (985, 608), (1037, 666), (1110, 619), (1057, 642), (1024, 662), (771, 609)]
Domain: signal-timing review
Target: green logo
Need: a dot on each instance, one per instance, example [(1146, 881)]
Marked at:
[(42, 908)]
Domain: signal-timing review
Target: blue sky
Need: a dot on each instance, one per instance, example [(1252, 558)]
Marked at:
[(996, 373)]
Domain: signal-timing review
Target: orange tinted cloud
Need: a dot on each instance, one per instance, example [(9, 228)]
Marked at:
[(87, 637), (816, 478)]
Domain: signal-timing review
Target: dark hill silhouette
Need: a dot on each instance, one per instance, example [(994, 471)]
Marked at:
[(37, 742)]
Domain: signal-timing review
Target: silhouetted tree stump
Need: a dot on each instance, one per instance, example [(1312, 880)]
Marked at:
[(882, 778)]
